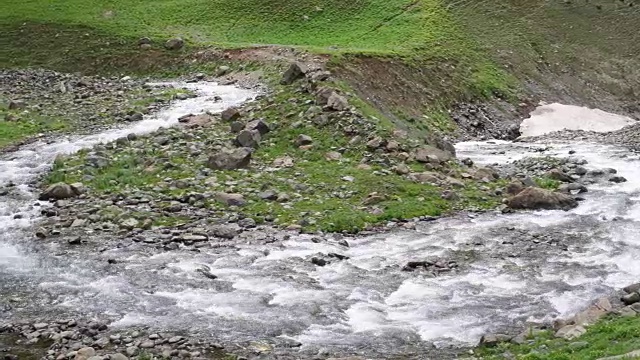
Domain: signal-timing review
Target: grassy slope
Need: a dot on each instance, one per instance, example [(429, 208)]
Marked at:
[(373, 25), (611, 336)]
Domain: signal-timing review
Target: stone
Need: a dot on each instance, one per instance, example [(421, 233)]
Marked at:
[(248, 139), (604, 304), (118, 356), (627, 311), (174, 44), (236, 126), (175, 339), (375, 143), (401, 169), (16, 105), (147, 344), (572, 188), (268, 195), (302, 140), (258, 125), (558, 175), (230, 199), (514, 188), (632, 288), (537, 198), (223, 70), (294, 72), (429, 154), (144, 40), (230, 159), (617, 179), (318, 261), (630, 298), (337, 102), (196, 120), (247, 223), (230, 114), (132, 350), (102, 342), (129, 224), (570, 332), (589, 316), (284, 161), (322, 95), (59, 191), (491, 340), (224, 231), (426, 177), (85, 353), (333, 156)]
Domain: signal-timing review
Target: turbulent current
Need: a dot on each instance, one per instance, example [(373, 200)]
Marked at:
[(513, 268)]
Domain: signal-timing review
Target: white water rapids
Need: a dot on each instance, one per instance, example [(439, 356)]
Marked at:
[(271, 291)]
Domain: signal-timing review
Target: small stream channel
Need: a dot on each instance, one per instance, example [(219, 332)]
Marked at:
[(529, 266)]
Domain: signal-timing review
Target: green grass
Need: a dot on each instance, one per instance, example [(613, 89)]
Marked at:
[(611, 336), (373, 25), (26, 126), (321, 198)]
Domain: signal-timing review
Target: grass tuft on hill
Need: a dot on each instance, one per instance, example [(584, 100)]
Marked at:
[(612, 336)]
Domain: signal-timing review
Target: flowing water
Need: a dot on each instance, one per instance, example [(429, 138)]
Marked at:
[(529, 266)]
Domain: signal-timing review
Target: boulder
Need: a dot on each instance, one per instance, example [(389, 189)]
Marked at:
[(491, 340), (196, 120), (536, 198), (302, 140), (230, 159), (630, 299), (570, 332), (85, 353), (248, 139), (426, 177), (60, 191), (559, 175), (428, 154), (230, 114), (572, 188), (322, 95), (514, 188), (337, 102), (224, 231), (174, 44), (294, 72), (230, 199), (16, 105), (237, 126), (259, 126), (144, 40)]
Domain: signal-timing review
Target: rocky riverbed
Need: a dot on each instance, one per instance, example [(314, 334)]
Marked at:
[(91, 273)]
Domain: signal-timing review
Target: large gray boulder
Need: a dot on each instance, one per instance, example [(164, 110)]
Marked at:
[(230, 159), (536, 198), (248, 139), (430, 154), (294, 72), (60, 191)]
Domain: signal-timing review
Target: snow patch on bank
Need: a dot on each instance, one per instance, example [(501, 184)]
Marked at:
[(549, 118)]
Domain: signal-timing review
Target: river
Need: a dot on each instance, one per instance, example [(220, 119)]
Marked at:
[(513, 268)]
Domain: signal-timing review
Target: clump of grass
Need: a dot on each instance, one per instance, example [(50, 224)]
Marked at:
[(611, 336)]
